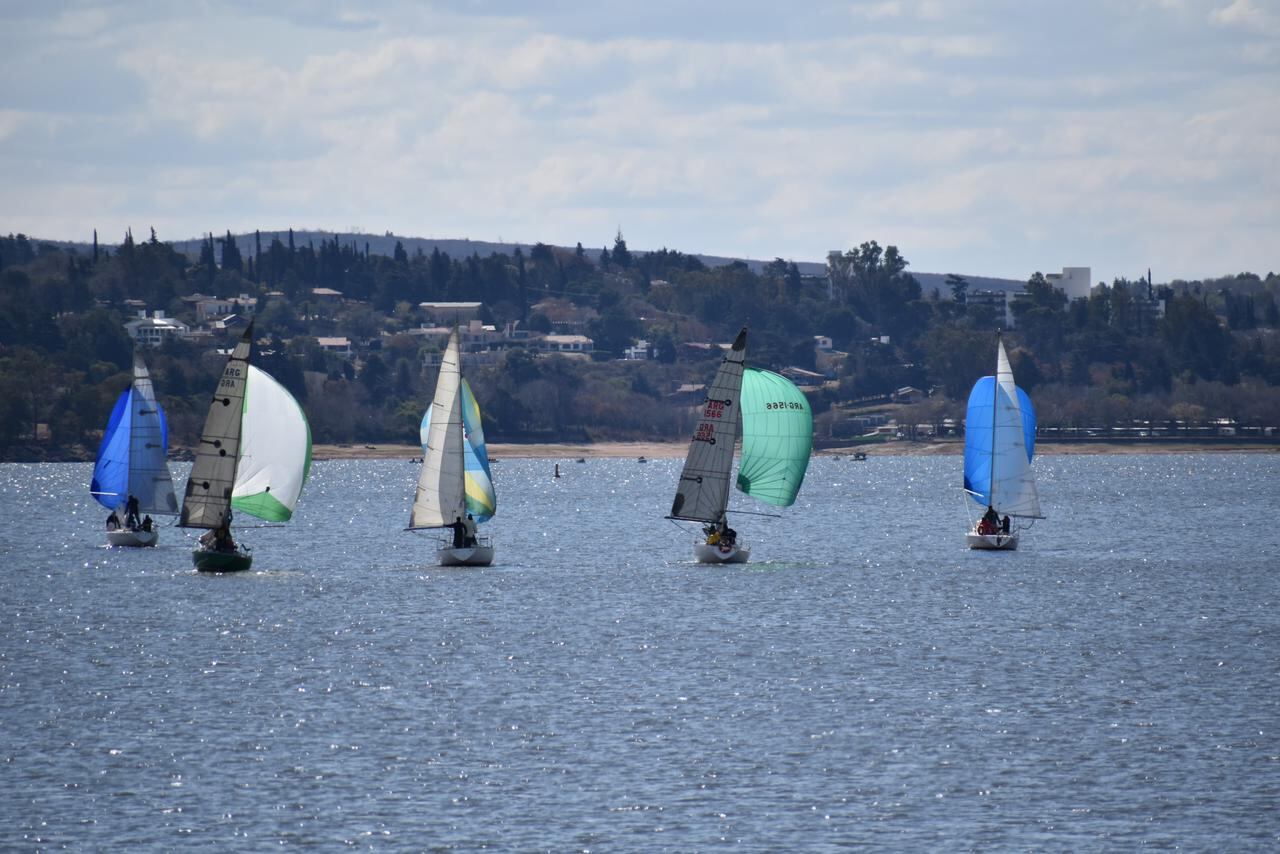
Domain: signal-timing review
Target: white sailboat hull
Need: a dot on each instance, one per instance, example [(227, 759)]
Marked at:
[(991, 542), (707, 553), (124, 537), (465, 556)]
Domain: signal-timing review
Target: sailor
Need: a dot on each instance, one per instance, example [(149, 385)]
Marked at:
[(131, 513), (113, 522), (459, 532), (990, 521), (469, 531)]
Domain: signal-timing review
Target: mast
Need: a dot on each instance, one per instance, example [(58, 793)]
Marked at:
[(995, 403)]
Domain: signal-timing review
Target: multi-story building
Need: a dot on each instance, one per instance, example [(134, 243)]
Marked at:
[(155, 330)]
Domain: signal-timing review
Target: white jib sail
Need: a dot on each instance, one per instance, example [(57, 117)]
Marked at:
[(149, 478), (1013, 485), (441, 497), (703, 491)]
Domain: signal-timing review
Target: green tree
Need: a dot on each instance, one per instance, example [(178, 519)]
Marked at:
[(621, 255)]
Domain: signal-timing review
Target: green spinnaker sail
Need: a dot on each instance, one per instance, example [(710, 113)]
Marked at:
[(777, 437)]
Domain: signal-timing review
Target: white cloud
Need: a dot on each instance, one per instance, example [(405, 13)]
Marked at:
[(951, 130), (1246, 14)]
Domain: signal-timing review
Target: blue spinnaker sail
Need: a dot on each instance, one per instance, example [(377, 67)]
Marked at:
[(131, 458), (110, 484), (482, 501), (986, 400)]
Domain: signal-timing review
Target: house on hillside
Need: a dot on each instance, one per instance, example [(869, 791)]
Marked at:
[(908, 394), (230, 324), (803, 378), (567, 344), (212, 308), (449, 313), (639, 352), (566, 318), (340, 346), (155, 330)]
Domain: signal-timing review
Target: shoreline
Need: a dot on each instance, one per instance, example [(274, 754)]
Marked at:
[(570, 451), (677, 450)]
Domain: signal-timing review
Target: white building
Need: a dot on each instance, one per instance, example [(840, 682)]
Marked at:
[(339, 345), (155, 330), (1073, 281), (567, 344), (638, 352), (212, 308)]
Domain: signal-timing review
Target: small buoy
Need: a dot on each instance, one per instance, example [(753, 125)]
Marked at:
[(557, 469)]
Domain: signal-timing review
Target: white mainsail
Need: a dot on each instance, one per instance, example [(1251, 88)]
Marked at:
[(1013, 485), (703, 491), (208, 498), (441, 495)]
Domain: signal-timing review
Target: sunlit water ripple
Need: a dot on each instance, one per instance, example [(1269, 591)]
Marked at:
[(865, 680)]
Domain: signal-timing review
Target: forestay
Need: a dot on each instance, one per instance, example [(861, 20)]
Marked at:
[(275, 450), (440, 497), (1000, 428), (703, 491), (777, 437)]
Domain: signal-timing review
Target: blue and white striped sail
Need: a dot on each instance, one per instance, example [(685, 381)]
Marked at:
[(132, 456), (999, 443), (482, 501)]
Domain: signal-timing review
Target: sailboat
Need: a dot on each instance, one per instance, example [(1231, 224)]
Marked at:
[(131, 463), (999, 442), (254, 456), (455, 488), (777, 439)]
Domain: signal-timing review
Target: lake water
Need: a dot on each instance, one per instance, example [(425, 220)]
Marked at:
[(1113, 684)]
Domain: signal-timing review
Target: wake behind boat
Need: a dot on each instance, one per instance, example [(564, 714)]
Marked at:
[(777, 440), (455, 488), (999, 443), (131, 476)]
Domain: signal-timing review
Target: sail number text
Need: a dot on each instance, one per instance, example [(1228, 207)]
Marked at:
[(715, 409), (706, 433), (229, 377), (784, 404)]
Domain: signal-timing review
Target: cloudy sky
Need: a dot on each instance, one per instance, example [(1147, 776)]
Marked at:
[(994, 137)]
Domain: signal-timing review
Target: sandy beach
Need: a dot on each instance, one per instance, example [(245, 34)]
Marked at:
[(658, 450)]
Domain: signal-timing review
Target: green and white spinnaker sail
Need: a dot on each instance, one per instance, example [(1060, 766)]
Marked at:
[(255, 449), (777, 437), (275, 450)]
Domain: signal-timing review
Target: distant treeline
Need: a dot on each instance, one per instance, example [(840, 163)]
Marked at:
[(64, 353)]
